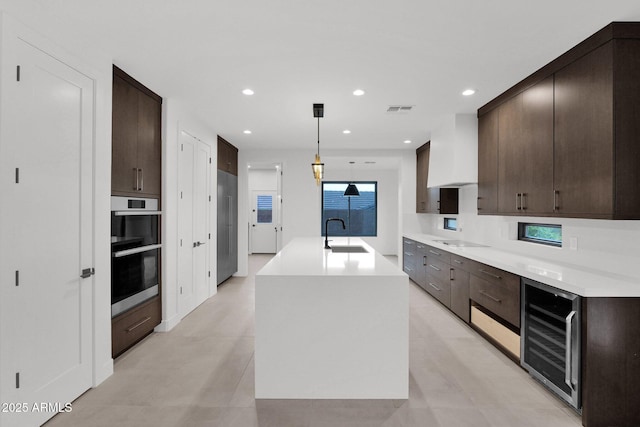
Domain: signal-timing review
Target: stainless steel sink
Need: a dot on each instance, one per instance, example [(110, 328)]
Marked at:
[(349, 249)]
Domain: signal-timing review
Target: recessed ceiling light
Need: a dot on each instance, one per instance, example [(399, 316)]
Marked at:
[(358, 92), (346, 131), (248, 132), (407, 141), (248, 91), (469, 92)]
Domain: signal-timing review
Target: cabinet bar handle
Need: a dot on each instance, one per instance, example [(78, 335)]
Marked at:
[(556, 195), (567, 358), (408, 254), (140, 323), (408, 242), (451, 274), (491, 296), (518, 201), (438, 205), (458, 262), (490, 274), (408, 269), (141, 179), (434, 267), (434, 252), (523, 203), (424, 260), (434, 287), (135, 173)]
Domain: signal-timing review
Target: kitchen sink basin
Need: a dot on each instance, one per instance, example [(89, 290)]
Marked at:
[(349, 249)]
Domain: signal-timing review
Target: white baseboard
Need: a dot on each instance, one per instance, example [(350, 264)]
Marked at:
[(168, 324), (103, 372)]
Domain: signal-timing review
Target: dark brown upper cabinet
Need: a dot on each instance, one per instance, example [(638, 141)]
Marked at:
[(432, 200), (227, 156), (584, 141), (567, 135), (488, 163), (525, 147), (136, 138)]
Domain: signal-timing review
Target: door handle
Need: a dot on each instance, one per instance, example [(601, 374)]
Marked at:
[(88, 272), (567, 358), (198, 244)]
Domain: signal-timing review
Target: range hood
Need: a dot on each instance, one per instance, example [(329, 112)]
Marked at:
[(453, 157)]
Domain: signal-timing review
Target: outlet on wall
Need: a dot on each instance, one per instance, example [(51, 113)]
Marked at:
[(573, 243)]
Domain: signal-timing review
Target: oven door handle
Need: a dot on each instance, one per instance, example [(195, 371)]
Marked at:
[(126, 252), (567, 350), (132, 213)]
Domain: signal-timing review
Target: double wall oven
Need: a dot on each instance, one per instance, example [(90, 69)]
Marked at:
[(135, 252)]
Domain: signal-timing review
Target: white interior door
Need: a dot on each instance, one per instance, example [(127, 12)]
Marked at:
[(264, 225), (201, 212), (46, 228), (186, 285), (194, 209)]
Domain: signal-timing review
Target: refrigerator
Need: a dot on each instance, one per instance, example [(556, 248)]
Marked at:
[(227, 225)]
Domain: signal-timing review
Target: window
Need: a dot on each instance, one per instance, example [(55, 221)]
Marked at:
[(359, 213), (265, 209), (450, 224), (546, 234)]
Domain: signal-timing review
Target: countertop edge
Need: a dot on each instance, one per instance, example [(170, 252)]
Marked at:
[(591, 286)]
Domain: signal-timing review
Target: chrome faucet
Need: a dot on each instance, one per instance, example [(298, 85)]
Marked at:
[(326, 232)]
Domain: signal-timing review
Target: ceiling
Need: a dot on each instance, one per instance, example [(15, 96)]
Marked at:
[(294, 53)]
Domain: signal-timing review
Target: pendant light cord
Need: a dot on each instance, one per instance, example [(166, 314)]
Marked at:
[(318, 136)]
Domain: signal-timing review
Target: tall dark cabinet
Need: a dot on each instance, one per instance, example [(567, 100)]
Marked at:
[(135, 172), (227, 210)]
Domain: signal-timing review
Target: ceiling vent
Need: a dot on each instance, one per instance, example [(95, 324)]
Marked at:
[(399, 109)]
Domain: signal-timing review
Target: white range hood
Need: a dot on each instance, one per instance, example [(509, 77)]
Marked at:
[(453, 157)]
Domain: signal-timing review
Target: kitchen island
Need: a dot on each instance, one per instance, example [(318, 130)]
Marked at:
[(331, 325)]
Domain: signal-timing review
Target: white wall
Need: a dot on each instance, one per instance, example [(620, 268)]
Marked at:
[(611, 246), (301, 196), (177, 118)]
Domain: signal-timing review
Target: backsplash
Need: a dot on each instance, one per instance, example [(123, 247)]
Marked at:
[(611, 246)]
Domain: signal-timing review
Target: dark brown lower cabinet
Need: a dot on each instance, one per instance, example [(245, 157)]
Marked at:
[(610, 362), (460, 293), (133, 325)]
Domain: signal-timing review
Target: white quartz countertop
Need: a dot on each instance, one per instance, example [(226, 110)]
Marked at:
[(582, 281), (306, 256)]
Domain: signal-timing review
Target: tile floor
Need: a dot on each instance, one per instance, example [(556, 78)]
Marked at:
[(201, 374)]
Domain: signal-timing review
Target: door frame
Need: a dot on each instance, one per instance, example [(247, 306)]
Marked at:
[(278, 201), (212, 286), (99, 72)]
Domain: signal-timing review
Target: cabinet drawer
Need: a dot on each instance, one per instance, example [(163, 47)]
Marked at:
[(132, 326), (440, 289), (463, 263), (439, 254), (437, 268), (501, 297)]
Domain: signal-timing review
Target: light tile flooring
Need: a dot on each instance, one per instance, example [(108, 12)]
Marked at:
[(201, 374)]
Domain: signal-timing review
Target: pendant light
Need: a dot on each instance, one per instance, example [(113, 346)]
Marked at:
[(351, 190), (317, 166)]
